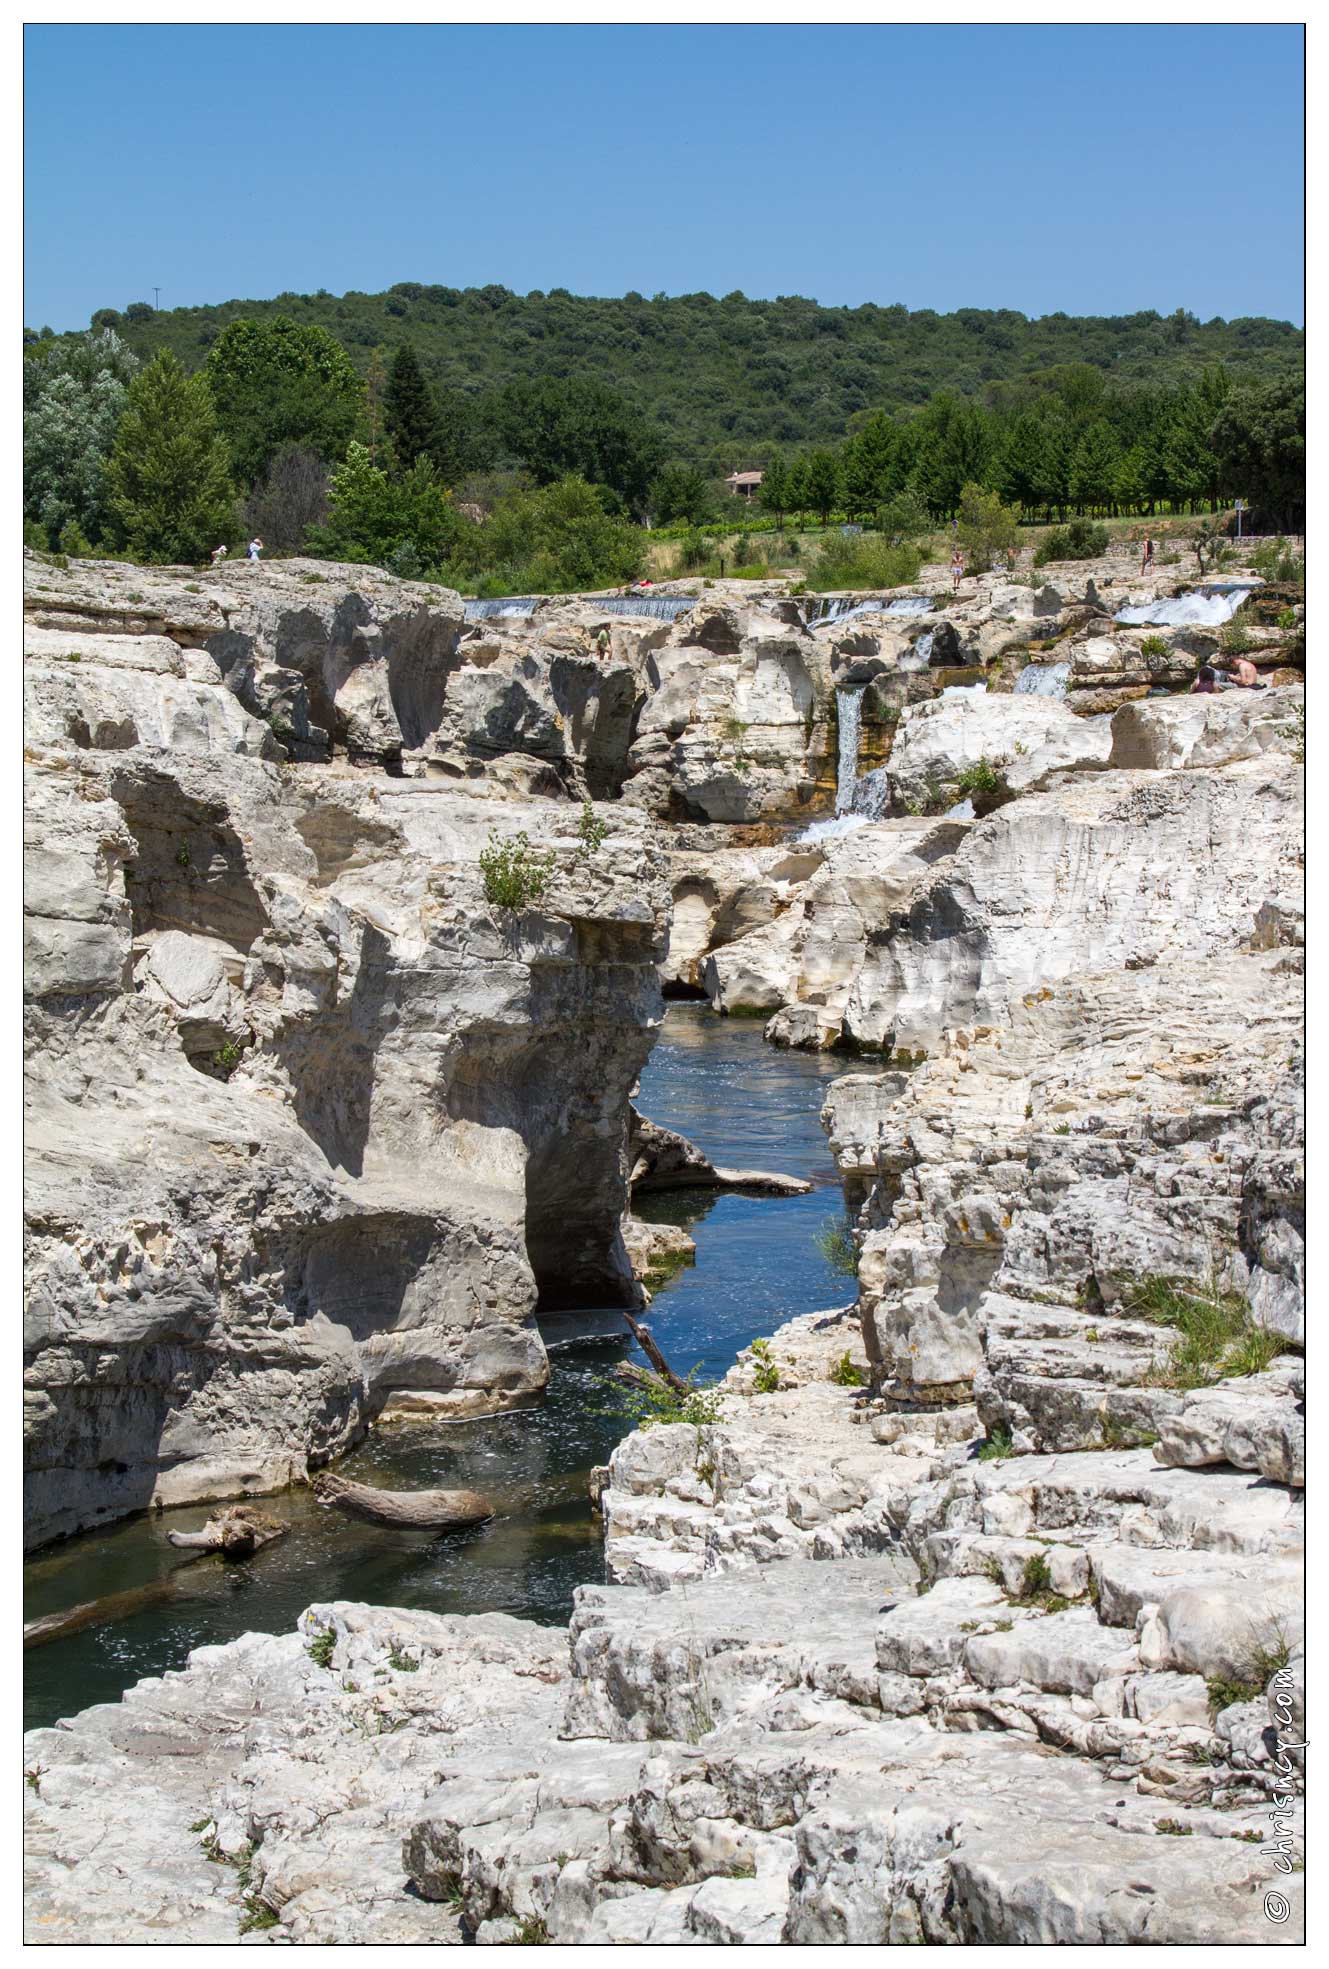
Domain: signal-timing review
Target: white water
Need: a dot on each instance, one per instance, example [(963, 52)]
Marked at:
[(919, 656), (843, 608), (849, 707), (963, 690), (504, 606), (666, 607), (1202, 608), (1043, 680), (830, 830)]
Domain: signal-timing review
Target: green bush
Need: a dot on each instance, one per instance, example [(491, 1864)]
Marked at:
[(1277, 561), (846, 1375), (651, 1403), (1154, 646), (980, 781), (836, 1245), (1082, 540), (514, 872), (862, 560)]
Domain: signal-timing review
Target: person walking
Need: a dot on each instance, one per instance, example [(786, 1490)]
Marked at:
[(1147, 557), (602, 645), (255, 549), (219, 555)]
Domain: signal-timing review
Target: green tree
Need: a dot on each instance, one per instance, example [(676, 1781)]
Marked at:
[(74, 393), (280, 382), (987, 528), (410, 414), (873, 465), (954, 450), (551, 541), (773, 492), (169, 476), (1259, 441), (407, 520), (823, 483), (680, 492), (582, 429), (1094, 465)]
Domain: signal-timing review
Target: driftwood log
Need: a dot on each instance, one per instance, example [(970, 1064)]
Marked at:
[(408, 1510), (235, 1533)]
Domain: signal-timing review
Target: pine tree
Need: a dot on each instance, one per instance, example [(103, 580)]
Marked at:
[(170, 472), (410, 414)]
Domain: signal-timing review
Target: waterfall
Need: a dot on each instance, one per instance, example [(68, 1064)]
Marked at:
[(666, 607), (843, 608), (920, 655), (829, 830), (506, 605), (871, 795), (1200, 608), (1043, 680), (849, 707)]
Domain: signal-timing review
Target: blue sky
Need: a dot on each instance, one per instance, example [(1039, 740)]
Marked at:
[(1097, 170)]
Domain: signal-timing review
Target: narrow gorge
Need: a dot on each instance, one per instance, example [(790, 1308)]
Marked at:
[(411, 990)]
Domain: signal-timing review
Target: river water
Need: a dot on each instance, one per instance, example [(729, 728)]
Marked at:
[(744, 1103)]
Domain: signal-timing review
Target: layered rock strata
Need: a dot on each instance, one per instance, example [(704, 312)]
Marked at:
[(311, 1125)]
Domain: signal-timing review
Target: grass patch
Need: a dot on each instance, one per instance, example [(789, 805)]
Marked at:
[(1216, 1336), (397, 1658), (257, 1914)]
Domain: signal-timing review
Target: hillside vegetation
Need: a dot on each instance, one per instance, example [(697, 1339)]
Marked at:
[(724, 381)]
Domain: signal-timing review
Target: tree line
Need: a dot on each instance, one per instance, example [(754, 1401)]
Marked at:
[(545, 483), (727, 380)]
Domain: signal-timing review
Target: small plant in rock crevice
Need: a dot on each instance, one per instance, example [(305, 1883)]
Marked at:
[(846, 1374), (591, 832), (257, 1915), (1154, 646), (997, 1446), (399, 1659), (836, 1244), (320, 1649), (514, 872), (532, 1933)]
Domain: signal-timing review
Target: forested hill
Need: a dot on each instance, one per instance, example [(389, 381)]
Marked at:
[(724, 379)]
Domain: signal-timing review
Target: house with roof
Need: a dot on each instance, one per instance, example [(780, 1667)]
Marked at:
[(744, 484)]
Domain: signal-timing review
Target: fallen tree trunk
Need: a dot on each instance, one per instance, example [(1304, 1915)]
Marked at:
[(642, 1335), (235, 1533), (408, 1510), (95, 1613)]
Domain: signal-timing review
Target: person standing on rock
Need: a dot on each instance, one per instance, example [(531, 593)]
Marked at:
[(255, 549), (602, 645), (219, 555), (957, 571), (1147, 557)]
